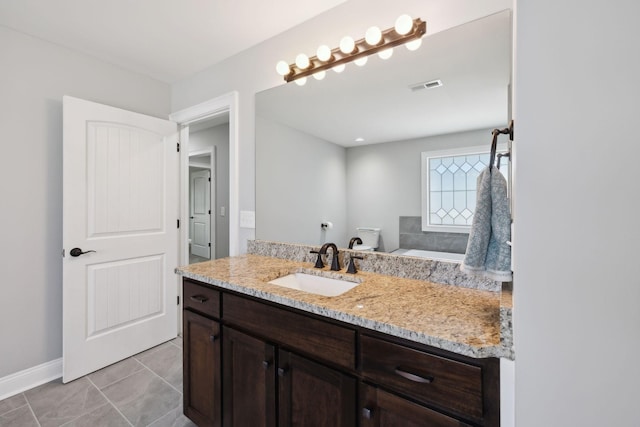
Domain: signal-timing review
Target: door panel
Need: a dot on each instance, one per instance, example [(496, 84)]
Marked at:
[(123, 292), (313, 395), (249, 383), (201, 370), (200, 213), (120, 199)]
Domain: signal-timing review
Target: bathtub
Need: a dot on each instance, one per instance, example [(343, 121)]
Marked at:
[(439, 256)]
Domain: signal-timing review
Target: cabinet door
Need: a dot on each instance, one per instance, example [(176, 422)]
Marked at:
[(382, 409), (249, 381), (201, 365), (312, 395)]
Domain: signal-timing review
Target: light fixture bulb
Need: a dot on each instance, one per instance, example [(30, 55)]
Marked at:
[(347, 45), (385, 54), (414, 44), (302, 61), (320, 75), (404, 24), (301, 81), (360, 61), (373, 36), (339, 68), (324, 53), (282, 68)]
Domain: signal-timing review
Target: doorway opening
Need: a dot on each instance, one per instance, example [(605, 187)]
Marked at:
[(211, 114), (208, 148)]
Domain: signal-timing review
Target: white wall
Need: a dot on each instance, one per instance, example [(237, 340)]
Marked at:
[(384, 180), (576, 241), (34, 76), (300, 184), (217, 137), (254, 69)]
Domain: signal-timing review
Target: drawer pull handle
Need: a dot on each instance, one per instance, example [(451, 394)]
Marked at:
[(199, 298), (414, 377)]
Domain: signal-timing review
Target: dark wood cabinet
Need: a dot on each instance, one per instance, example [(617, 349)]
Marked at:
[(201, 370), (313, 395), (382, 409), (249, 362), (249, 383)]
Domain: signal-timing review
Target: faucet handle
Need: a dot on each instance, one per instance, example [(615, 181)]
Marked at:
[(352, 264), (319, 263), (335, 261)]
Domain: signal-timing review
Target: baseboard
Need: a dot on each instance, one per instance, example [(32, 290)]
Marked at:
[(29, 378)]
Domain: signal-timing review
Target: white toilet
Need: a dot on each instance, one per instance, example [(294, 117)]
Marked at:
[(370, 238)]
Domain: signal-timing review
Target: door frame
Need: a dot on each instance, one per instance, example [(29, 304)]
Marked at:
[(223, 104), (212, 194)]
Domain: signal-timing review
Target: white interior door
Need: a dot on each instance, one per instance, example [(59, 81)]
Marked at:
[(120, 199), (200, 189)]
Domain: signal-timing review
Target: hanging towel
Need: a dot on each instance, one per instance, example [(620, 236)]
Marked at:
[(488, 253)]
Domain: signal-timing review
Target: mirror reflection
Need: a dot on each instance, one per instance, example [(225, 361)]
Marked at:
[(341, 157)]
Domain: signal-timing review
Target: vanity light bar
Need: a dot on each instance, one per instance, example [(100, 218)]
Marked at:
[(390, 38)]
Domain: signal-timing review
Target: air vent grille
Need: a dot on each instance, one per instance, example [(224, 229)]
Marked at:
[(426, 85)]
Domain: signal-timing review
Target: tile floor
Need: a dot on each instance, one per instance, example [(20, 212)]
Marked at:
[(144, 390), (195, 258)]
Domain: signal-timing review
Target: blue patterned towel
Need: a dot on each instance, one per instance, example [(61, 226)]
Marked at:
[(488, 253)]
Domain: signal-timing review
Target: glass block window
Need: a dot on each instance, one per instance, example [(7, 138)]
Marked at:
[(449, 187)]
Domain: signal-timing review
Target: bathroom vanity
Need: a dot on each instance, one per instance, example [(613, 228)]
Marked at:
[(391, 351)]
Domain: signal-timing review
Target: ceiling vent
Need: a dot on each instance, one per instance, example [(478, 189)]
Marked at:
[(426, 85)]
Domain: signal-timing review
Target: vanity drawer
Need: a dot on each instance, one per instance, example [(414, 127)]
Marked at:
[(425, 377), (324, 340), (200, 298)]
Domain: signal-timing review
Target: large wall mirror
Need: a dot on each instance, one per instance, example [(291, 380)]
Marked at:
[(346, 150)]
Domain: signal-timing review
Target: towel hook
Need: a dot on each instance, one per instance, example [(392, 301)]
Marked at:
[(494, 143)]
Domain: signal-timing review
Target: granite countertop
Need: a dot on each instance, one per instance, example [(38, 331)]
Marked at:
[(462, 320)]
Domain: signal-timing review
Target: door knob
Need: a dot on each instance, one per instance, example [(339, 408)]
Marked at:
[(78, 252)]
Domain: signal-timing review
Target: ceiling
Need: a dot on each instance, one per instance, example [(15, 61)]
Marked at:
[(375, 102), (168, 40)]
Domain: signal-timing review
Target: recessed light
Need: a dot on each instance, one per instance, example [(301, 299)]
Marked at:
[(359, 139)]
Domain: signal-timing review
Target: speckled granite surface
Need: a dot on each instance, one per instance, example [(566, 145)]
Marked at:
[(382, 263), (462, 320)]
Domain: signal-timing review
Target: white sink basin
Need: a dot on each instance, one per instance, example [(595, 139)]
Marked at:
[(315, 284)]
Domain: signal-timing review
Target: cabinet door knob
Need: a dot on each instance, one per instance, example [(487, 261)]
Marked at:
[(213, 338), (282, 371), (414, 377), (367, 413), (266, 363)]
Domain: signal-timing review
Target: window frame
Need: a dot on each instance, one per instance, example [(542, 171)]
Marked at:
[(426, 184)]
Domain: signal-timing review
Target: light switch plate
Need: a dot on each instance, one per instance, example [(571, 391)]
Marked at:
[(247, 219)]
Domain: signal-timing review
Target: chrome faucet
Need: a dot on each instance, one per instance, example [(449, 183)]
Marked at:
[(335, 263), (354, 240)]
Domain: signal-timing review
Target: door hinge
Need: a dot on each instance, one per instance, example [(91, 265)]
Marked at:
[(209, 244), (63, 249), (178, 147), (209, 179), (178, 223), (178, 297), (209, 211)]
